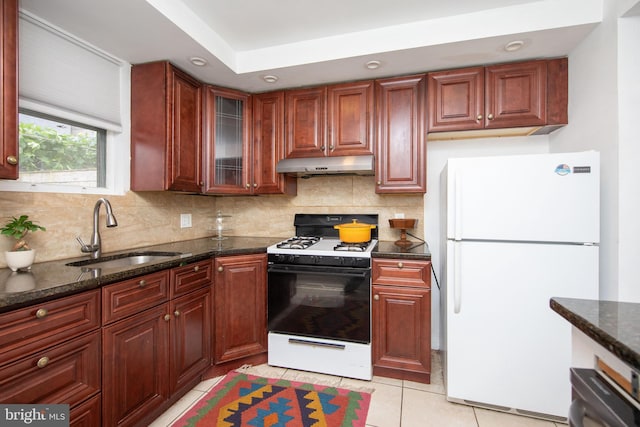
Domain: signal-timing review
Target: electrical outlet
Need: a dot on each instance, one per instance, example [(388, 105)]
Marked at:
[(398, 216), (185, 220)]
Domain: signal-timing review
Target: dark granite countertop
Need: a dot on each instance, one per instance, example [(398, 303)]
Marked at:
[(614, 325), (54, 279), (418, 250)]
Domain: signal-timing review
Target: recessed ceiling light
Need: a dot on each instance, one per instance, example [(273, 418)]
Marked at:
[(514, 45), (197, 61), (373, 65), (270, 78)]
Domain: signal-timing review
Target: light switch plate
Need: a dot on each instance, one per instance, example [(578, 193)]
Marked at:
[(185, 220)]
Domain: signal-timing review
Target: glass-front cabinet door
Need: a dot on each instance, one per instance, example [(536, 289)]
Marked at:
[(227, 149)]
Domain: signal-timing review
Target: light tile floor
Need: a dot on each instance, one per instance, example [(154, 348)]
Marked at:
[(394, 403)]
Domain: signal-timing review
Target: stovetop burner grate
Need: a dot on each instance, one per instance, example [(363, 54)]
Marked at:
[(352, 247), (298, 242)]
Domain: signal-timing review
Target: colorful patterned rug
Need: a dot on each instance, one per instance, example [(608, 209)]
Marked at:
[(243, 400)]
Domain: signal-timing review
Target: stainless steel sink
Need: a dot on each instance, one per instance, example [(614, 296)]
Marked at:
[(124, 260)]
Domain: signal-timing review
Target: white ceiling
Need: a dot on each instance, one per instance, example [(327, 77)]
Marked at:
[(307, 42)]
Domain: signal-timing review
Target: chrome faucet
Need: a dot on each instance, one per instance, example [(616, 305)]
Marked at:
[(94, 249)]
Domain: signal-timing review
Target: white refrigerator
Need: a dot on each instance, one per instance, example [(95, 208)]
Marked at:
[(519, 230)]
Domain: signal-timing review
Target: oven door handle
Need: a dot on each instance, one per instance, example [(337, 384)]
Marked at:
[(328, 271)]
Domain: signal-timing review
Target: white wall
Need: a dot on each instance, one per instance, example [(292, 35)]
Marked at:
[(629, 156), (603, 108), (438, 152)]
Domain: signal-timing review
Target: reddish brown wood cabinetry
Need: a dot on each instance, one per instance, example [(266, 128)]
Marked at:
[(227, 124), (268, 145), (350, 119), (9, 89), (401, 152), (240, 307), (305, 122), (401, 319), (524, 94), (50, 352), (166, 137), (156, 343)]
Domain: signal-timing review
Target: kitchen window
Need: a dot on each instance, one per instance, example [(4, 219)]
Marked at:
[(56, 151), (78, 95)]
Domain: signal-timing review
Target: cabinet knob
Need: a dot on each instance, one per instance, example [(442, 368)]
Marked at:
[(176, 313), (322, 147), (142, 283), (12, 160), (41, 313), (196, 268), (490, 116), (167, 317), (220, 269), (378, 182), (400, 265), (255, 184), (331, 147), (479, 117), (247, 185), (42, 362), (376, 297)]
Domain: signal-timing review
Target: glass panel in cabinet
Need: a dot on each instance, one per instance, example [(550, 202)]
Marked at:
[(229, 139)]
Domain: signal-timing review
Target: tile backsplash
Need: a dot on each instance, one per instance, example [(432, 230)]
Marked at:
[(148, 218)]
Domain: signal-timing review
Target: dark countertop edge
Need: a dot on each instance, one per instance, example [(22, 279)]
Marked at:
[(13, 301), (618, 348)]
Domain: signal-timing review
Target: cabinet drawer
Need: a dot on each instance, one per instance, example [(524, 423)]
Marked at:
[(42, 325), (68, 373), (133, 296), (401, 272), (191, 277)]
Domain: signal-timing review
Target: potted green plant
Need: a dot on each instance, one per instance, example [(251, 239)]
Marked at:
[(21, 255)]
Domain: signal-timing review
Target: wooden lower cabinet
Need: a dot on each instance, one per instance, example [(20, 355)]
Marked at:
[(135, 367), (240, 307), (152, 357), (87, 414), (401, 319)]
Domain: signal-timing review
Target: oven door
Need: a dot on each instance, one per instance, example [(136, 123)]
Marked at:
[(321, 302)]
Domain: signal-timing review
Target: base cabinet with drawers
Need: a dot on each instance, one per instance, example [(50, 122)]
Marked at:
[(50, 353), (156, 341), (401, 319)]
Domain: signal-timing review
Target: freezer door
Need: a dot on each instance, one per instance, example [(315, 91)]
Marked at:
[(504, 344), (545, 198)]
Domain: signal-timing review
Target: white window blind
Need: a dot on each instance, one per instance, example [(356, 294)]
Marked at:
[(58, 71)]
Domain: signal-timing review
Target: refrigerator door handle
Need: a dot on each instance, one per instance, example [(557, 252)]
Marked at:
[(457, 208), (457, 285)]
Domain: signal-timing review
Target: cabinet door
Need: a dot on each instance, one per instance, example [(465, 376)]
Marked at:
[(9, 90), (135, 365), (401, 338), (456, 99), (268, 145), (350, 127), (305, 122), (227, 130), (516, 94), (401, 151), (186, 165), (190, 337), (240, 306), (166, 141)]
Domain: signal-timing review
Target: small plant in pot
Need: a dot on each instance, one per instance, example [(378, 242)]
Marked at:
[(21, 255)]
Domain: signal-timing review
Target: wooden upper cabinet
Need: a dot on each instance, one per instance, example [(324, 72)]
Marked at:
[(401, 152), (9, 89), (456, 99), (350, 122), (166, 141), (227, 118), (268, 145), (305, 122), (516, 95), (523, 94)]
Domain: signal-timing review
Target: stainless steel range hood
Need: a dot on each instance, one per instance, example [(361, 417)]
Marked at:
[(340, 165)]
